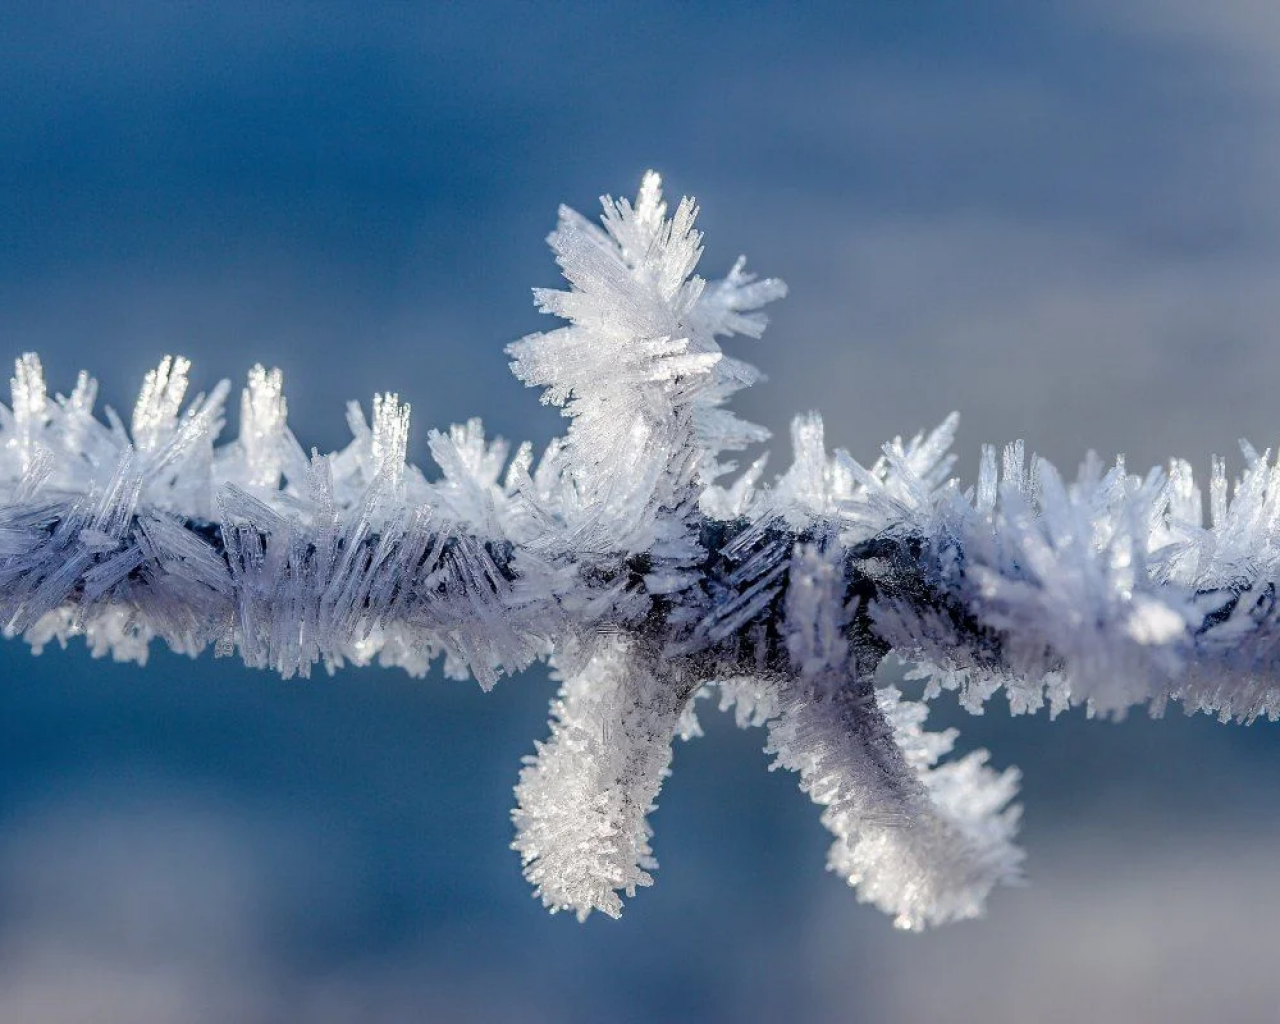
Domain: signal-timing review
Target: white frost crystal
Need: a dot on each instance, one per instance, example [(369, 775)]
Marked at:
[(638, 368), (621, 558), (585, 797)]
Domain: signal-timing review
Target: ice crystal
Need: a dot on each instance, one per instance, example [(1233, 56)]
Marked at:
[(585, 796), (624, 558)]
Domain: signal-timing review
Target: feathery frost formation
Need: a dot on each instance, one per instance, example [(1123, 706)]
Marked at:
[(626, 560)]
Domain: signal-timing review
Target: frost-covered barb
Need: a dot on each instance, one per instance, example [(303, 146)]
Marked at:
[(648, 575)]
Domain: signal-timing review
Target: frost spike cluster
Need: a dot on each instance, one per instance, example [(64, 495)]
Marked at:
[(629, 559)]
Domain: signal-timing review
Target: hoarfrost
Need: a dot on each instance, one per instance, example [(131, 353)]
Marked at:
[(627, 557), (584, 798)]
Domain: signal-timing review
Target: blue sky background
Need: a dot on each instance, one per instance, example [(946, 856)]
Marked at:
[(1059, 218)]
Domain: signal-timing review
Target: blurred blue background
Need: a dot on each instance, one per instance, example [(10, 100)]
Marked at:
[(1060, 218)]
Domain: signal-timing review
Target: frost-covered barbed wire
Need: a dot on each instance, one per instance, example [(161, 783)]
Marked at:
[(624, 560)]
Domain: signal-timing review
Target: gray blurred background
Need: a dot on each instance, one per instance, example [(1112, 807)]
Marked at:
[(1060, 218)]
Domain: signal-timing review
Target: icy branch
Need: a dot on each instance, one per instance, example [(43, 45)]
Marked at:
[(623, 561)]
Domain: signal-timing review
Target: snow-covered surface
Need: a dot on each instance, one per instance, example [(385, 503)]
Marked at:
[(633, 559)]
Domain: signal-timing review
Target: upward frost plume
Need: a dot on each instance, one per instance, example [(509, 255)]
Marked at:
[(638, 369)]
